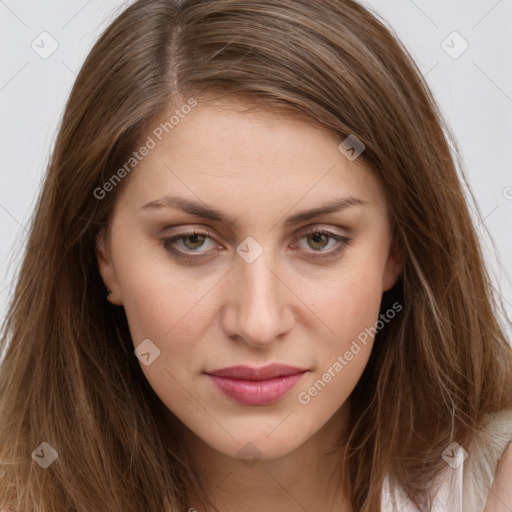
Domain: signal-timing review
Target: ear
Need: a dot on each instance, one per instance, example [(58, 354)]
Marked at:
[(394, 265), (106, 267)]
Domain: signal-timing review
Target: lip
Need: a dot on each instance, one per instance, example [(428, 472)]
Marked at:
[(256, 386)]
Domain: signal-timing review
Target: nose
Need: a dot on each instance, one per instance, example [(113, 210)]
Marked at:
[(258, 309)]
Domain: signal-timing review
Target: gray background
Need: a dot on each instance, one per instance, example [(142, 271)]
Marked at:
[(474, 90)]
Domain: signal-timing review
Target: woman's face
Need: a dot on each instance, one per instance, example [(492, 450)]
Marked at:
[(256, 286)]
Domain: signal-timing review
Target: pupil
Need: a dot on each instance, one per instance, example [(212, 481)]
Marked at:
[(194, 239), (317, 237)]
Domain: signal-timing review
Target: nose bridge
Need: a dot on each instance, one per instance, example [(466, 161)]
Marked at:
[(261, 314)]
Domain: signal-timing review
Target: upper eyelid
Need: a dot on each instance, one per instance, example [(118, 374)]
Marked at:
[(307, 230), (300, 232)]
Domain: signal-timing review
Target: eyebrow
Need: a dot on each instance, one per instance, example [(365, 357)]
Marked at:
[(208, 212)]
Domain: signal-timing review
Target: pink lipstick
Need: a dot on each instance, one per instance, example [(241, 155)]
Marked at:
[(256, 386)]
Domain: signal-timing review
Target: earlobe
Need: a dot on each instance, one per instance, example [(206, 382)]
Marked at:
[(394, 266), (106, 268)]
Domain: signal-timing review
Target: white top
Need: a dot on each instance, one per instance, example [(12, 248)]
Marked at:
[(465, 483), (448, 495)]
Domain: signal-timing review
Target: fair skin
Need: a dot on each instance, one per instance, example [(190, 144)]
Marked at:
[(220, 310)]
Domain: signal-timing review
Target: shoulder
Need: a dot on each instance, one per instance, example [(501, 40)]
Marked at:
[(488, 467), (482, 483), (500, 495)]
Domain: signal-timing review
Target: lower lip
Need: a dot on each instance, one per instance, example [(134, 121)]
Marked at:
[(256, 392)]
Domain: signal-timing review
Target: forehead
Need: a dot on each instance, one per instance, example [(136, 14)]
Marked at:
[(226, 133), (225, 151)]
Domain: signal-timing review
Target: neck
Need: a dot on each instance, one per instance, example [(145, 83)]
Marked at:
[(308, 478)]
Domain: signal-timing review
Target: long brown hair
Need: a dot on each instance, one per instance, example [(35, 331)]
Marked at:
[(69, 376)]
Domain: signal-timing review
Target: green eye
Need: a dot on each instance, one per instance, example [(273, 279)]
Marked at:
[(317, 240)]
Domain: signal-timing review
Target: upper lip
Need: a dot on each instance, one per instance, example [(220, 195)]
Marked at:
[(249, 373)]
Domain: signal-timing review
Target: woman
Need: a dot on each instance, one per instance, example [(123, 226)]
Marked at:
[(207, 148)]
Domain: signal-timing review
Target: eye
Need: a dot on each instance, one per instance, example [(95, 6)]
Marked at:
[(196, 239), (318, 239), (192, 241)]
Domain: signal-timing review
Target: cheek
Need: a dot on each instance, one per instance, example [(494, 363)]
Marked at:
[(349, 306), (157, 297), (351, 313), (350, 300), (171, 313)]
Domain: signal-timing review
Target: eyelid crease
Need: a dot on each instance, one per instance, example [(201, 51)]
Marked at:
[(305, 230), (343, 242)]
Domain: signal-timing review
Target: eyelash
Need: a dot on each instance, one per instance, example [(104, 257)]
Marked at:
[(344, 241)]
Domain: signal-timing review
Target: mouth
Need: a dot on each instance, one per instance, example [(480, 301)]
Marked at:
[(256, 386)]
